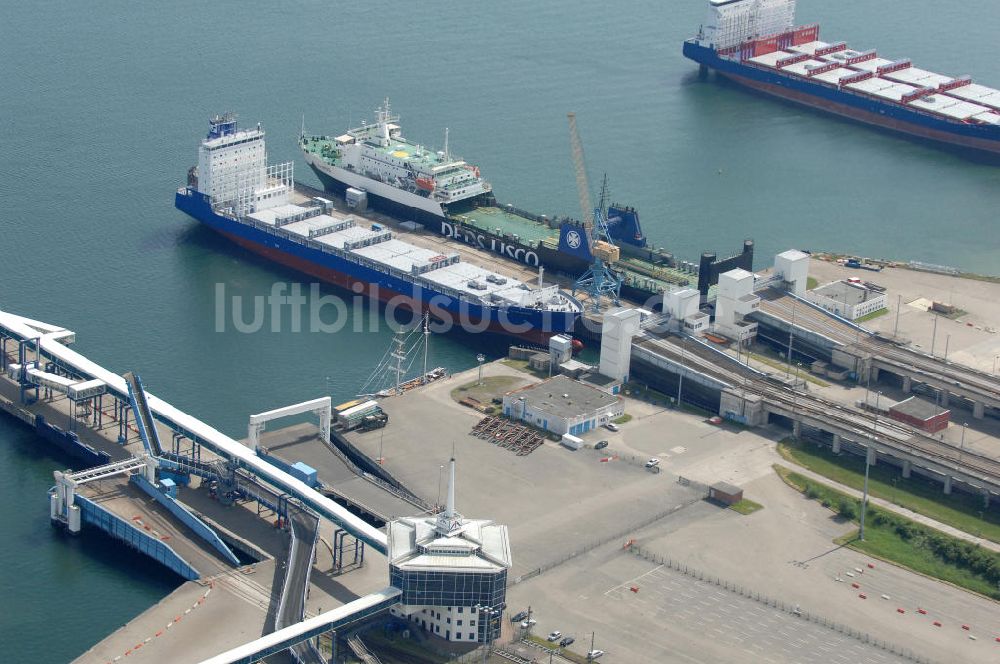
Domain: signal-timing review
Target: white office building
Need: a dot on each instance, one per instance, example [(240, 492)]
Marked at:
[(563, 405), (452, 572)]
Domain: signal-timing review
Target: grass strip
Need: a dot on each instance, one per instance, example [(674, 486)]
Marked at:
[(917, 494), (906, 543), (746, 506)]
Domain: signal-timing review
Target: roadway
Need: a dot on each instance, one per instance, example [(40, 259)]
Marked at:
[(301, 442), (121, 498), (291, 609)]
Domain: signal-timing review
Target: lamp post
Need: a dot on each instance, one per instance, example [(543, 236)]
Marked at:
[(480, 358), (934, 335), (961, 448), (680, 379), (795, 411), (868, 456), (899, 304), (791, 332)]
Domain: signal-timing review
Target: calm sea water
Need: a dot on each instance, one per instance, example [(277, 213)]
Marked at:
[(103, 105)]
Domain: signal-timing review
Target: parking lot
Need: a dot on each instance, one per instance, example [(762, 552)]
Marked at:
[(748, 629), (555, 501), (561, 505)]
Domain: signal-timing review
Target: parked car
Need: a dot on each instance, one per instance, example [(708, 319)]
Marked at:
[(518, 617), (566, 641), (652, 463), (715, 419), (530, 622), (611, 426), (594, 654), (600, 445), (554, 636)]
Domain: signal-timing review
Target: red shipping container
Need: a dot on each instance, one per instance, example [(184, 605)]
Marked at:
[(806, 34), (765, 46)]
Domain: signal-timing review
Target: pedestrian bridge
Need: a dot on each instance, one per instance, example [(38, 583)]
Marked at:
[(47, 341)]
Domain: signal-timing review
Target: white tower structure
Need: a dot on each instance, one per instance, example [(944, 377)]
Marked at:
[(683, 306), (735, 301), (560, 350), (617, 330), (452, 571), (732, 22), (793, 268)]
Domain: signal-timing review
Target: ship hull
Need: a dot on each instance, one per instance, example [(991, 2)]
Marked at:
[(534, 325), (382, 196), (452, 228), (893, 117)]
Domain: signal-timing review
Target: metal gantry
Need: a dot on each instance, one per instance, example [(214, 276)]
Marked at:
[(599, 279)]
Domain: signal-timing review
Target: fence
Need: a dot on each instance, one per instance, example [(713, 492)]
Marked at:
[(620, 535), (792, 609)]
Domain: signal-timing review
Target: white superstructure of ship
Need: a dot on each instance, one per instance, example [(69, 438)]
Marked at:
[(377, 159)]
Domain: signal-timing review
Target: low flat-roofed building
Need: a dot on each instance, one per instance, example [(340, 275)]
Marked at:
[(563, 405), (726, 493), (922, 414), (848, 299)]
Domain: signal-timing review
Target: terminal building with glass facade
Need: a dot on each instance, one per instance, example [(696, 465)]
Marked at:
[(452, 572)]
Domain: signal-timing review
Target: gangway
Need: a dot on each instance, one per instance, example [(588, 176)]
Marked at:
[(143, 418), (236, 453)]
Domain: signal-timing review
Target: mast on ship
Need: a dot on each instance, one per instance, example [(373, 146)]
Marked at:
[(399, 354), (383, 117)]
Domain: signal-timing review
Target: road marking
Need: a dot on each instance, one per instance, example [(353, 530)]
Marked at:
[(632, 581)]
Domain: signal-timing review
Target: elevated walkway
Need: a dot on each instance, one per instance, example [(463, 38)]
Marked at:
[(287, 637), (49, 346), (143, 418)]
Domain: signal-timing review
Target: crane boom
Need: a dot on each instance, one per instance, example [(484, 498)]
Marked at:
[(582, 186), (599, 279)]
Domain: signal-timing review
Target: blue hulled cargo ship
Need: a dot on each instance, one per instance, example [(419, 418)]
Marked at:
[(755, 43), (233, 191)]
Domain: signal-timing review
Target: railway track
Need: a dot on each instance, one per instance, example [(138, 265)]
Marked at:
[(854, 424), (908, 359)]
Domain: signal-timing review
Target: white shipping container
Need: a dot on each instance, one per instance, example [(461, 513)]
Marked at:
[(572, 442), (356, 411)]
